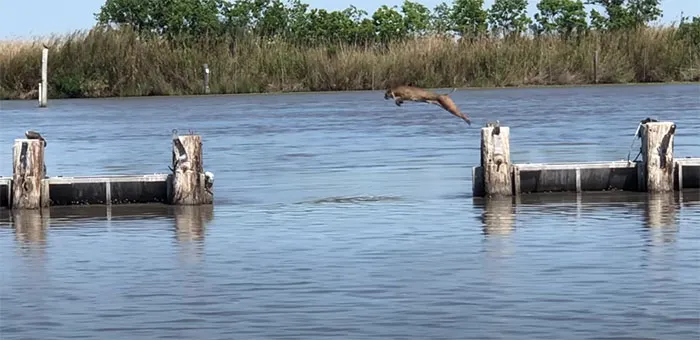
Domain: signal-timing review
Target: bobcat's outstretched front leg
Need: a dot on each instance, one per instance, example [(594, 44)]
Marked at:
[(398, 101), (433, 102)]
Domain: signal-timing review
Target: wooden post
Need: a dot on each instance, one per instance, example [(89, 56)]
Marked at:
[(29, 189), (44, 75), (595, 66), (495, 160), (190, 184), (656, 170), (39, 96), (206, 78)]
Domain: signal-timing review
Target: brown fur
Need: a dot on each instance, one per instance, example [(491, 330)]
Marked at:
[(402, 93)]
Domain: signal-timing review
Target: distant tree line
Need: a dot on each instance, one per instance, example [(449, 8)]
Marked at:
[(295, 22)]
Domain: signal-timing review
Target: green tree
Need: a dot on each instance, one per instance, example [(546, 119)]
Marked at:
[(330, 27), (625, 14), (643, 11), (388, 24), (135, 13), (565, 17), (299, 24), (509, 17), (416, 17), (469, 17), (273, 20), (441, 19), (174, 18), (362, 31), (237, 18), (598, 20), (690, 30)]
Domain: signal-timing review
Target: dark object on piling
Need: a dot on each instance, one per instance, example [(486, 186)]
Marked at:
[(31, 134)]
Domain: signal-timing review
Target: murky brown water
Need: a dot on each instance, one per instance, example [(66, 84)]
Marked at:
[(340, 214)]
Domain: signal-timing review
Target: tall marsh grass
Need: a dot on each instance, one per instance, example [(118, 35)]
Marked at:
[(106, 62)]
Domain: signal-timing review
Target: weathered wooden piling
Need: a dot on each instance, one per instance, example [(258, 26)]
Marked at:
[(656, 171), (495, 160), (29, 188), (190, 185), (44, 77)]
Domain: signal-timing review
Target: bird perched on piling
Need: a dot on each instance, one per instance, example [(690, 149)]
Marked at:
[(31, 134)]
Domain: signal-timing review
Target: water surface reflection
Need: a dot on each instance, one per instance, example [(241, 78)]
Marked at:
[(342, 221)]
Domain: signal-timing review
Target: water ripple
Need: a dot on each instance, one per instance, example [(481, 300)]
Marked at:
[(346, 221)]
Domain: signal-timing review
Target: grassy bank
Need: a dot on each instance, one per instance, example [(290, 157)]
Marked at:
[(102, 63)]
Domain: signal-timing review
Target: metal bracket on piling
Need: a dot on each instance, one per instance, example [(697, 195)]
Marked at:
[(638, 134)]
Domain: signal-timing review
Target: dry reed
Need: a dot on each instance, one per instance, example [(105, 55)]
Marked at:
[(99, 63)]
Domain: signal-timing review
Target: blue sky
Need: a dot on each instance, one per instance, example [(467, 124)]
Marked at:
[(30, 18)]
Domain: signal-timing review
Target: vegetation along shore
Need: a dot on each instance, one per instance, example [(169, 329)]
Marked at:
[(153, 47)]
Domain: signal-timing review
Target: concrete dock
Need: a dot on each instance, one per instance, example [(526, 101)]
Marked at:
[(5, 191), (687, 173), (109, 189), (30, 188), (657, 171)]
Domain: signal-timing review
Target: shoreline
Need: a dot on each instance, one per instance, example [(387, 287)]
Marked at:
[(467, 88), (117, 63)]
